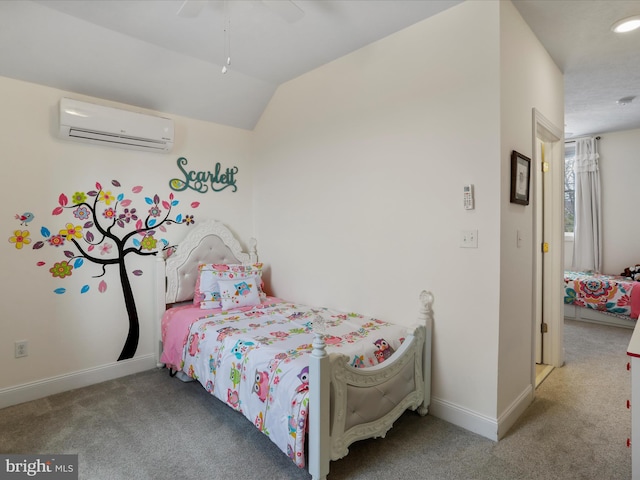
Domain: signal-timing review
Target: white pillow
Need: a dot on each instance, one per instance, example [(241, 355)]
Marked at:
[(206, 291), (208, 281), (238, 292)]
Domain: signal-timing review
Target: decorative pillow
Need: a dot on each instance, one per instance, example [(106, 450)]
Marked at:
[(239, 292), (197, 293), (211, 298), (207, 289), (207, 282)]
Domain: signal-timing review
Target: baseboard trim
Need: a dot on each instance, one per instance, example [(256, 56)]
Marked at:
[(61, 383), (491, 428), (517, 408), (465, 418)]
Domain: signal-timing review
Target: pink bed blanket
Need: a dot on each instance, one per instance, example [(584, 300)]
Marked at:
[(256, 360), (175, 328)]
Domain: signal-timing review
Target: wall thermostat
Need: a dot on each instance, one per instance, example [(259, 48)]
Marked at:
[(468, 197)]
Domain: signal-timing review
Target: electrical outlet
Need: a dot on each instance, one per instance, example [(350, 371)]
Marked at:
[(22, 348)]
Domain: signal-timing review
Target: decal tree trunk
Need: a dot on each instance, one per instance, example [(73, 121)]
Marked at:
[(131, 343)]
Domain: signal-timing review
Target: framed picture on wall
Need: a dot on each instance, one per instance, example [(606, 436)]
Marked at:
[(520, 174)]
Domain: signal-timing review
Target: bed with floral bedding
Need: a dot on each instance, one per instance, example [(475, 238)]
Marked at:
[(609, 298), (312, 379)]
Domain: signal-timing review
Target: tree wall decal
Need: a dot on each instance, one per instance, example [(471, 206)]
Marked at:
[(106, 228)]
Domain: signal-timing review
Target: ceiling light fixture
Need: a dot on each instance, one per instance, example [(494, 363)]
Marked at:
[(626, 100), (626, 24)]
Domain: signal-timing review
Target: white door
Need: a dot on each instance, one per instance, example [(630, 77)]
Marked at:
[(549, 229), (544, 164), (539, 333)]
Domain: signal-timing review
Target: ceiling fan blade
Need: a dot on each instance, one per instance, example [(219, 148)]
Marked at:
[(191, 8), (286, 9)]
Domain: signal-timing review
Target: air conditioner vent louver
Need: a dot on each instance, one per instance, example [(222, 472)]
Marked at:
[(91, 123), (117, 139)]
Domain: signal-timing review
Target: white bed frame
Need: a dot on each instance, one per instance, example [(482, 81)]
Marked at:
[(573, 312), (340, 396)]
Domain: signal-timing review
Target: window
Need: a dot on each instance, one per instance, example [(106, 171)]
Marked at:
[(569, 187)]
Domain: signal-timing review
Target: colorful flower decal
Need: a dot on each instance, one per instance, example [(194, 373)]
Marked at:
[(20, 238), (82, 213), (56, 240), (109, 213), (109, 229), (61, 269), (105, 249), (155, 211), (71, 231), (148, 243), (127, 216), (106, 197), (79, 197)]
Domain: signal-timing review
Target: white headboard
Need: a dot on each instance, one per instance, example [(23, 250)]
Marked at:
[(208, 242)]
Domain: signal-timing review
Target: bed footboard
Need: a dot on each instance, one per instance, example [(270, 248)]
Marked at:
[(349, 404)]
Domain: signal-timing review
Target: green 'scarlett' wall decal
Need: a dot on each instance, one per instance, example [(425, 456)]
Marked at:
[(202, 181), (105, 228)]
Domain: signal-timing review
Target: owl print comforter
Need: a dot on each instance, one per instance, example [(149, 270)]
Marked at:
[(257, 361)]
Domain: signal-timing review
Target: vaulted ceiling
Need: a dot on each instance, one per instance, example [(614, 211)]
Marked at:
[(140, 52)]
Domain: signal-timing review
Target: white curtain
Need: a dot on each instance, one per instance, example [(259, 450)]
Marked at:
[(587, 247)]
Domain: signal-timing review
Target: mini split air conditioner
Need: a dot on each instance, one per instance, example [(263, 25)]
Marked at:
[(97, 124)]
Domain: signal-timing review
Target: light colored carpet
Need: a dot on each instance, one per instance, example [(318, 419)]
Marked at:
[(149, 426)]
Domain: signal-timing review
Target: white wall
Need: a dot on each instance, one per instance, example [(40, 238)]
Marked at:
[(568, 252), (619, 174), (358, 189), (75, 332), (529, 79), (361, 169)]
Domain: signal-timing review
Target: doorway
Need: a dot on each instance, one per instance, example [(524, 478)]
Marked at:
[(548, 320), (543, 203)]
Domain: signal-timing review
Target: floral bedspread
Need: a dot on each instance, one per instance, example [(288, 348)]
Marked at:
[(607, 293), (257, 361)]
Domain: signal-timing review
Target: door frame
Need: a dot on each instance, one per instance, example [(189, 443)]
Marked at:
[(553, 139), (539, 238)]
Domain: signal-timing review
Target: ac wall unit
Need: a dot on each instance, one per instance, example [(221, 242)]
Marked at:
[(97, 124)]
